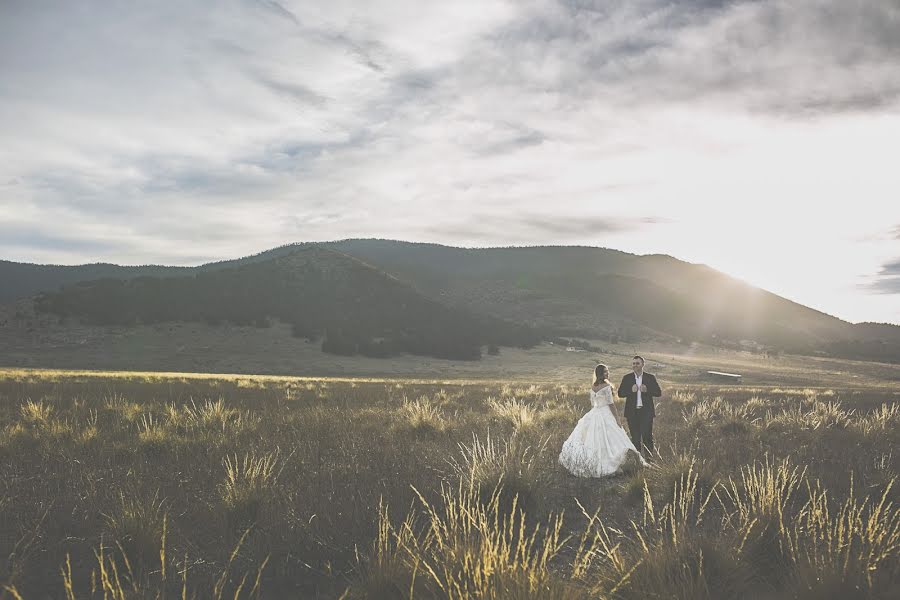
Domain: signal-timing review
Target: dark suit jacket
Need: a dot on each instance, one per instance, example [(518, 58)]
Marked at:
[(647, 397)]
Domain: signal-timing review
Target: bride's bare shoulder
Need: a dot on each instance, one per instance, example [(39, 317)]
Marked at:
[(597, 388)]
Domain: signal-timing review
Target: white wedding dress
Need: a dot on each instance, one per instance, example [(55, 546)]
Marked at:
[(598, 446)]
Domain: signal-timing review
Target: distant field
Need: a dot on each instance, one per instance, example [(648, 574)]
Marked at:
[(198, 348), (267, 353), (156, 484)]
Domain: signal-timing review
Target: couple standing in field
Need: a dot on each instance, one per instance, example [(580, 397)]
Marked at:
[(599, 446)]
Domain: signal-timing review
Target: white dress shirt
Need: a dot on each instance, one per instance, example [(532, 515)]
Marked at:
[(637, 380)]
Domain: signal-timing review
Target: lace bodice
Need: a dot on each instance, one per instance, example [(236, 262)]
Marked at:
[(603, 397)]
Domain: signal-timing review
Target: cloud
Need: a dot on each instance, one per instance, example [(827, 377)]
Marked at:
[(295, 91), (509, 139), (537, 229), (888, 279), (173, 129), (783, 58), (50, 238), (109, 108)]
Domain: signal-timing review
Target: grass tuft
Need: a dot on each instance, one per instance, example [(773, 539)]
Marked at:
[(36, 414), (137, 527), (511, 469), (423, 415), (519, 414), (249, 483)]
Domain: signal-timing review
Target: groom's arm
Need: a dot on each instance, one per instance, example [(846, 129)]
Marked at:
[(653, 388), (623, 391)]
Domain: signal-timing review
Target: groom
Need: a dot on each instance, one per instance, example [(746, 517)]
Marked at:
[(639, 389)]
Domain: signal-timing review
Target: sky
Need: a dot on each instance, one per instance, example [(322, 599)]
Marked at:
[(758, 137)]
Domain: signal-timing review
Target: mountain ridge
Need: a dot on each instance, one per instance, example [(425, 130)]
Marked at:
[(584, 291)]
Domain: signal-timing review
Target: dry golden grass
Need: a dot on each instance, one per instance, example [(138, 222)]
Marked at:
[(422, 414), (271, 487), (516, 412)]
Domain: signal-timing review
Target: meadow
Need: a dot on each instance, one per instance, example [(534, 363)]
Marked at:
[(170, 486)]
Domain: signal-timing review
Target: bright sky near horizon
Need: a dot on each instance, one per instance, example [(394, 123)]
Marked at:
[(759, 137)]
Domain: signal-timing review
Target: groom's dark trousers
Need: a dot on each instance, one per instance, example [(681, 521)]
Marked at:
[(640, 425), (640, 420)]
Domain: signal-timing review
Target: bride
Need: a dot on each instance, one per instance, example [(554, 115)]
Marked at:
[(598, 446)]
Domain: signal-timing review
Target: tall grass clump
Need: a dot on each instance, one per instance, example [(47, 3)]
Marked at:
[(886, 418), (758, 504), (127, 409), (684, 397), (249, 483), (848, 548), (729, 417), (387, 574), (152, 432), (757, 403), (673, 556), (215, 416), (819, 416), (512, 467), (463, 547), (666, 472), (423, 415), (116, 576), (762, 490), (138, 527), (89, 429), (558, 414), (519, 414), (36, 414), (830, 415), (213, 419)]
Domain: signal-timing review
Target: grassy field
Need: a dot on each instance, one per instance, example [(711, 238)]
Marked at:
[(153, 485), (41, 341)]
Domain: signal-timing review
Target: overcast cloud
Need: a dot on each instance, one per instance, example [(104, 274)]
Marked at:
[(755, 136)]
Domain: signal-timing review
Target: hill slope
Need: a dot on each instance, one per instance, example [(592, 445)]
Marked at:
[(581, 291), (320, 291), (597, 291)]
